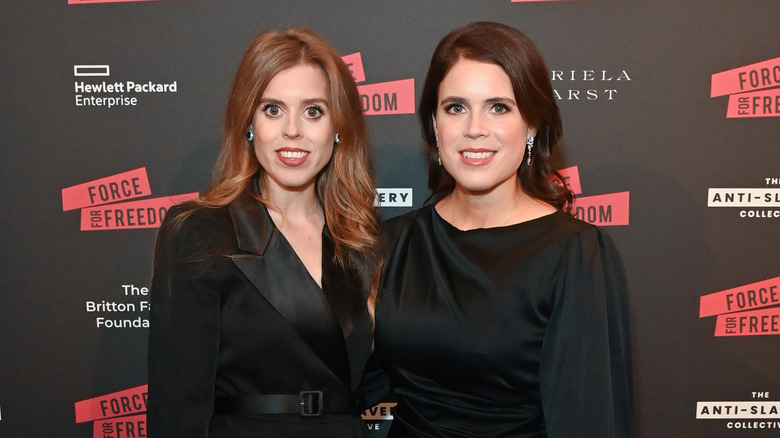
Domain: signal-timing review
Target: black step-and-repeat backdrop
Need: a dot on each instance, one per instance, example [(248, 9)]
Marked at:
[(111, 112)]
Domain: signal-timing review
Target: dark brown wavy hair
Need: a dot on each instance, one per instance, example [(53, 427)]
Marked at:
[(345, 187), (522, 61)]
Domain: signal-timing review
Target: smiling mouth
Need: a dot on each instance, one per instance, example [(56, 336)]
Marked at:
[(293, 154), (476, 155)]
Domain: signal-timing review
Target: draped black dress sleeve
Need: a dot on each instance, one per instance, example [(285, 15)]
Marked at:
[(516, 331)]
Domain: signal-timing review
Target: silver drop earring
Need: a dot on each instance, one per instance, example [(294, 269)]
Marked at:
[(250, 134), (530, 145), (438, 153), (337, 140)]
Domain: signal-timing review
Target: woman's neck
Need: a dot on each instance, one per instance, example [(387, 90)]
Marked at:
[(294, 207), (500, 207)]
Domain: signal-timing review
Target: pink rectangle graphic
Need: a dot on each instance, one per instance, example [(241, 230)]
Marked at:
[(571, 177), (115, 188), (750, 296), (395, 97), (132, 426), (764, 103), (751, 323), (128, 401), (81, 2), (603, 210), (355, 63), (765, 74), (147, 213)]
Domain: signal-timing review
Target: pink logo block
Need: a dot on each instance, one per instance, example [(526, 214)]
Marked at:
[(120, 187), (571, 177), (751, 323), (756, 104), (395, 97), (355, 63), (129, 401), (147, 213), (750, 296), (123, 427), (752, 77), (81, 2), (603, 210)]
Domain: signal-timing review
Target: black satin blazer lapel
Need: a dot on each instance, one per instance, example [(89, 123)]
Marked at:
[(287, 286)]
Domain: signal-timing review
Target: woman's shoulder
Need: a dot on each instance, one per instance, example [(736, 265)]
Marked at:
[(566, 232), (580, 235), (192, 215), (569, 223), (393, 227), (190, 223)]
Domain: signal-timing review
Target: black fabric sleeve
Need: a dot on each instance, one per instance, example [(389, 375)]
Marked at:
[(586, 375), (183, 338)]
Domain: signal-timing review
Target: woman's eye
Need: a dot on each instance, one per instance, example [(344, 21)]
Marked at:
[(313, 112), (455, 108), (272, 110), (500, 108)]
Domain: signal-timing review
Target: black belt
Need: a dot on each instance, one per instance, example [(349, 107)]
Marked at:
[(305, 404)]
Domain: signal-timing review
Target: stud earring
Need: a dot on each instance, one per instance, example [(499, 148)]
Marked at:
[(337, 140), (530, 145), (250, 134), (438, 152)]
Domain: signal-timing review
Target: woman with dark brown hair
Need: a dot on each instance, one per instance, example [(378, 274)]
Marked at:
[(499, 314), (260, 320)]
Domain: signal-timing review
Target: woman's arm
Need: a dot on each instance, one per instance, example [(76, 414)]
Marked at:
[(586, 372), (183, 339)]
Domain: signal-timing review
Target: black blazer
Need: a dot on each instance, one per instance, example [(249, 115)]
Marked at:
[(234, 312)]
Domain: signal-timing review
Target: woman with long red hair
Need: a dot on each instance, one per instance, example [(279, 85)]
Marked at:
[(263, 287)]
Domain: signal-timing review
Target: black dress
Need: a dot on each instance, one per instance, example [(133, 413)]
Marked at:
[(516, 331), (239, 329)]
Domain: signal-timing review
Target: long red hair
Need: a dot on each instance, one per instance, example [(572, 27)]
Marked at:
[(345, 187)]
